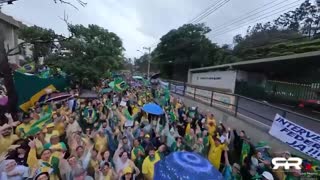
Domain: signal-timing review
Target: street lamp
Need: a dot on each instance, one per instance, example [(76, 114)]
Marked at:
[(149, 58)]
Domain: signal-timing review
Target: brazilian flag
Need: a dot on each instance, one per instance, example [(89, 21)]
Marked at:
[(27, 68), (31, 88), (37, 126), (120, 85), (244, 151)]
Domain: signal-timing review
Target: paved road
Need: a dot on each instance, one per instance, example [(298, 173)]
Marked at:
[(266, 114)]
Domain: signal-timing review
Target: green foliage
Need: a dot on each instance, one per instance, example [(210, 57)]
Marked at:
[(40, 38), (188, 47), (142, 64), (291, 32), (91, 53)]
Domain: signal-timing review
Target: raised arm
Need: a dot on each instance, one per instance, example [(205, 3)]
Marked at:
[(117, 153), (32, 160), (226, 158)]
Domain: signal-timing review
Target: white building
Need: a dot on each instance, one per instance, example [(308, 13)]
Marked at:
[(9, 29)]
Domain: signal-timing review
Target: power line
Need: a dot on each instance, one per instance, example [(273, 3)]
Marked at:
[(254, 20), (210, 12), (248, 15), (204, 11), (211, 9)]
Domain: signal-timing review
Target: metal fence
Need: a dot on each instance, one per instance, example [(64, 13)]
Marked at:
[(238, 105)]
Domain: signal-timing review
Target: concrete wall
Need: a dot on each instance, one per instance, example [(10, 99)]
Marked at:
[(255, 130), (9, 27), (10, 40)]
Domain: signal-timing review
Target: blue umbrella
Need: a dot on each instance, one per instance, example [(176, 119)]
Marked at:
[(185, 166), (152, 108)]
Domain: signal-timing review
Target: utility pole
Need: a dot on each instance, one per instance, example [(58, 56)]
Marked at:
[(149, 59)]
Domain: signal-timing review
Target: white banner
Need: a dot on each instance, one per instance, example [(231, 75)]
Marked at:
[(180, 90), (215, 79), (296, 136), (164, 85), (223, 100), (203, 95), (189, 91), (172, 87)]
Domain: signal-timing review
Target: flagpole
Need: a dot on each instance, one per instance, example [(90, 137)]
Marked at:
[(149, 59)]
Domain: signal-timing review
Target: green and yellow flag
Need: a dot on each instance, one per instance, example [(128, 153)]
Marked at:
[(37, 126), (31, 88), (245, 151), (127, 115), (27, 68), (120, 85), (36, 97)]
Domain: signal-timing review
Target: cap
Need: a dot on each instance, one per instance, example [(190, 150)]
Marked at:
[(50, 125), (147, 136), (267, 175), (54, 136), (127, 170)]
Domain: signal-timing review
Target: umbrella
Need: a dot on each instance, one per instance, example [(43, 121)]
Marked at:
[(152, 108), (106, 90), (185, 166), (58, 97), (111, 84), (137, 77), (155, 76), (88, 94)]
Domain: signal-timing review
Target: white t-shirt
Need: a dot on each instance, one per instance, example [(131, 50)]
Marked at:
[(120, 165)]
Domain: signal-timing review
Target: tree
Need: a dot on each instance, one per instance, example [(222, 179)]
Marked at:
[(281, 36), (141, 64), (42, 41), (184, 48), (90, 53), (237, 39), (7, 75)]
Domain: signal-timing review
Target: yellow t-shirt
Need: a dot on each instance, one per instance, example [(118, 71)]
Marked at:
[(23, 128), (48, 136), (60, 128), (6, 142), (135, 110), (100, 143), (215, 153), (148, 166)]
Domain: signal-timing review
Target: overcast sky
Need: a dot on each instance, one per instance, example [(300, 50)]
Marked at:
[(141, 23)]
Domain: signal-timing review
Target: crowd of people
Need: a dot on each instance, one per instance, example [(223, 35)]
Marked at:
[(111, 137)]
